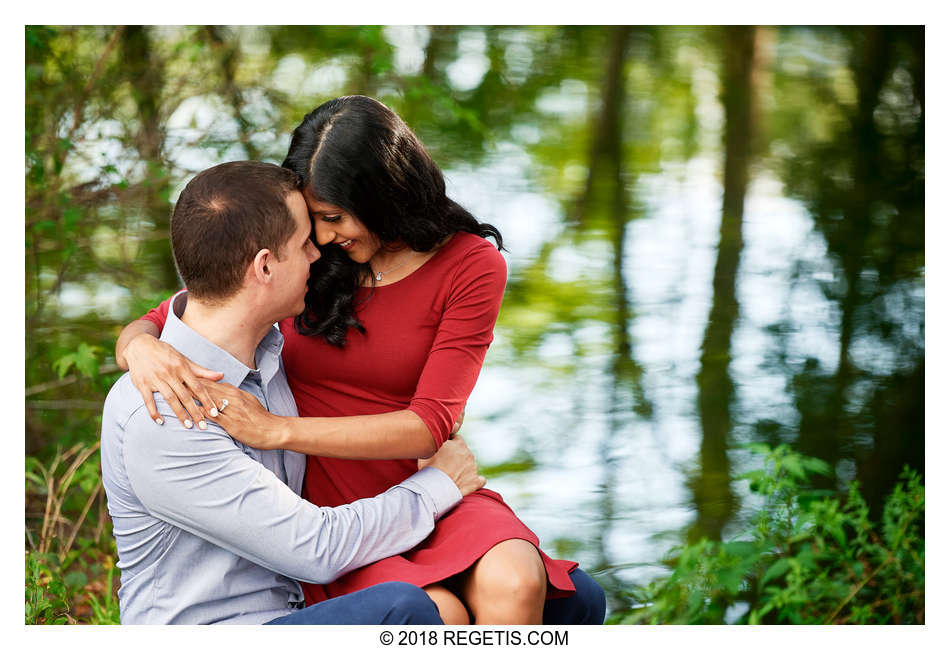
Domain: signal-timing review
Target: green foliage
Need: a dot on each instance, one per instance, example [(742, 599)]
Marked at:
[(806, 558), (45, 591), (105, 607), (79, 589), (520, 462), (70, 569), (85, 359)]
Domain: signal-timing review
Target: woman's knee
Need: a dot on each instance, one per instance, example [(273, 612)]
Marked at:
[(512, 570)]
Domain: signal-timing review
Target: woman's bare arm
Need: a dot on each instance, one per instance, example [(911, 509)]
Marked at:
[(128, 333), (398, 434)]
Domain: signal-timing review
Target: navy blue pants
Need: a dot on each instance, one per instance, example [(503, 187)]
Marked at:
[(399, 603), (588, 605)]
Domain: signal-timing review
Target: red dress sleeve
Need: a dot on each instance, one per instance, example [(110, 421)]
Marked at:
[(461, 340), (159, 315)]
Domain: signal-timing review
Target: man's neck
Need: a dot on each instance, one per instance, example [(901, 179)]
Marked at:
[(235, 327)]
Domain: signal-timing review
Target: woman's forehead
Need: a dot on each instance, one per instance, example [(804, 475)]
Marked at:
[(319, 207)]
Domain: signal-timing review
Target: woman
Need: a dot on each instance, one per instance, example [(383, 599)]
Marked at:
[(396, 335)]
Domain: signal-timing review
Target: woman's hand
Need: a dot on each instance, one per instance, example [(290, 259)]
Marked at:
[(244, 418), (155, 366)]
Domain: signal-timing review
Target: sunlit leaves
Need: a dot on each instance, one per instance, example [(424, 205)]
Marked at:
[(84, 359)]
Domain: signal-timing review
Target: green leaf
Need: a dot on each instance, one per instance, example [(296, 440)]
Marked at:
[(76, 579), (71, 218), (816, 466), (778, 569), (730, 579), (758, 448), (63, 364), (87, 361), (31, 477), (794, 466), (741, 548)]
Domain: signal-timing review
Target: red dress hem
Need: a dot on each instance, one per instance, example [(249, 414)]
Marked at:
[(451, 549)]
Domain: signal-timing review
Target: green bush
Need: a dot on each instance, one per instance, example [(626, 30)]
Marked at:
[(806, 558)]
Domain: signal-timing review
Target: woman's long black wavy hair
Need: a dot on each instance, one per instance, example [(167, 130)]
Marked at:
[(357, 154)]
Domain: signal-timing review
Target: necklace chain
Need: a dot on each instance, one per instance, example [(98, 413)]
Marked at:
[(379, 274)]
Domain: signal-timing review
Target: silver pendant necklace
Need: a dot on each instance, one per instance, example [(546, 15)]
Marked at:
[(379, 274)]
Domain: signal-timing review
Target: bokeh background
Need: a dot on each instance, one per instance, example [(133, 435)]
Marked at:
[(715, 237)]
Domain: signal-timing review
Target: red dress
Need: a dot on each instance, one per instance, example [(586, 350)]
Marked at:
[(426, 338)]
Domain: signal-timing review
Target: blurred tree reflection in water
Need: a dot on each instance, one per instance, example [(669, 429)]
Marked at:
[(715, 501), (863, 185)]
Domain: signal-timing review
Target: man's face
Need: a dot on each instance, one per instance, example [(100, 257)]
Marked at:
[(296, 256)]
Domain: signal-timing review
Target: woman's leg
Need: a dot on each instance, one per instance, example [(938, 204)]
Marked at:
[(507, 585), (451, 609)]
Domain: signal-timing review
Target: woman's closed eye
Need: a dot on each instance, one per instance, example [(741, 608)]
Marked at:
[(331, 218)]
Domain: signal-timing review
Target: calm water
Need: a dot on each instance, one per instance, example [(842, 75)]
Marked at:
[(610, 487), (638, 346)]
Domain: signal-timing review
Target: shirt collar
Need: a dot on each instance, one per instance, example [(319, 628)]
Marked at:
[(205, 353)]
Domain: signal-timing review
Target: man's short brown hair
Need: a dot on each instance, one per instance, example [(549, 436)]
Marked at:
[(224, 216)]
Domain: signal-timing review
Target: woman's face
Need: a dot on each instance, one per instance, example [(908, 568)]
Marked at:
[(333, 225)]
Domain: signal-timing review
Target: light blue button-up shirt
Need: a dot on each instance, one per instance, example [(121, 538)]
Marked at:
[(210, 530)]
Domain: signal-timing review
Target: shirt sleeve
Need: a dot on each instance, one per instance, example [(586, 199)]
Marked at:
[(461, 340), (159, 314), (202, 482)]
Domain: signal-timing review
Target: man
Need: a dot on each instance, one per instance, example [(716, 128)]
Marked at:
[(209, 530)]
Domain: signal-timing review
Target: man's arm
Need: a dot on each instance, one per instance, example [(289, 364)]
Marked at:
[(199, 480)]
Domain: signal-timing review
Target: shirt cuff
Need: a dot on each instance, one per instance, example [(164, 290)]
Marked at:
[(434, 483)]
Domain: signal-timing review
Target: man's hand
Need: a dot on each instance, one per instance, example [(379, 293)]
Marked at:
[(455, 459)]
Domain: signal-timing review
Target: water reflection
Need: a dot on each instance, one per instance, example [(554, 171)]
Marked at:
[(711, 484), (791, 303)]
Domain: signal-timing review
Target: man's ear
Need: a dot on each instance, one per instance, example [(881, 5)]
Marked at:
[(260, 267)]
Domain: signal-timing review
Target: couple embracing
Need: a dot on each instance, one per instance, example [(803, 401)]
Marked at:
[(310, 472)]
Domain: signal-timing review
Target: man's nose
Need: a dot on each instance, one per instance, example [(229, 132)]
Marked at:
[(314, 253), (325, 234)]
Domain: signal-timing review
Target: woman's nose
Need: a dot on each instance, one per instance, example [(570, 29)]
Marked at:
[(324, 233)]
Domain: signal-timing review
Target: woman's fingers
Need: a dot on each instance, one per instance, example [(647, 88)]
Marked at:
[(204, 373), (186, 398), (173, 401), (195, 382), (149, 399), (199, 388), (217, 394)]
